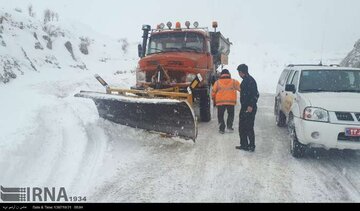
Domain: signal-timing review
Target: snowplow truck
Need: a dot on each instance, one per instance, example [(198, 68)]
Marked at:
[(175, 72)]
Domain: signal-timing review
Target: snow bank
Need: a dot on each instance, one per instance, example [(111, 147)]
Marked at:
[(49, 138)]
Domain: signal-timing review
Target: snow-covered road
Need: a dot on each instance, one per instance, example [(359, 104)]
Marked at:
[(57, 140), (211, 170), (49, 138)]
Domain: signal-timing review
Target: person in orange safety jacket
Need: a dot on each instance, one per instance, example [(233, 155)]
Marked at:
[(224, 94)]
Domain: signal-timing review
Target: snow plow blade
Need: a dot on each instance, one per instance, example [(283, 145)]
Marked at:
[(165, 116)]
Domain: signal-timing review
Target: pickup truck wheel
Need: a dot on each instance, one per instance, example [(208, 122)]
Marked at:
[(297, 149), (280, 117)]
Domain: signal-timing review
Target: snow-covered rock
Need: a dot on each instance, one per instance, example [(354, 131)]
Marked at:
[(353, 58)]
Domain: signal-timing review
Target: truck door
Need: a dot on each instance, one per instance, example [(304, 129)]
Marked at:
[(290, 96), (284, 94)]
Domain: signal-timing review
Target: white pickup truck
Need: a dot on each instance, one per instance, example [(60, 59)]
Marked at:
[(320, 105)]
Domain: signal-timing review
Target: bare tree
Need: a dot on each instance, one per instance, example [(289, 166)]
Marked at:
[(52, 15), (30, 10), (47, 16), (124, 45)]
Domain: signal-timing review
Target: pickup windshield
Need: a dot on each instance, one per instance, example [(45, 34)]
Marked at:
[(330, 81), (176, 42)]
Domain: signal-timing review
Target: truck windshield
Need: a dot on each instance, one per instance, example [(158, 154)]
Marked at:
[(176, 42), (330, 81)]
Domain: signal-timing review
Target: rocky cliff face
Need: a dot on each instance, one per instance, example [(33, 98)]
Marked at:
[(353, 58)]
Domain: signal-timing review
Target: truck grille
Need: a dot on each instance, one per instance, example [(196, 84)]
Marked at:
[(175, 63), (358, 116), (152, 63), (344, 116), (175, 76)]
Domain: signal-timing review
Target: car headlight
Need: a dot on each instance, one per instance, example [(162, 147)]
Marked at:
[(316, 114)]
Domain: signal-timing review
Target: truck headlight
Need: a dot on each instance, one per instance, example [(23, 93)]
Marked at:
[(140, 76), (316, 114)]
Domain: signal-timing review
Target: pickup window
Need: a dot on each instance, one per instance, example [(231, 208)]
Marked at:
[(283, 77), (290, 76), (330, 81), (295, 79)]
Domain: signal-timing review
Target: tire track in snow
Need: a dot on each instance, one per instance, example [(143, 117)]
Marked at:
[(93, 155), (332, 170), (61, 150), (71, 149), (126, 165)]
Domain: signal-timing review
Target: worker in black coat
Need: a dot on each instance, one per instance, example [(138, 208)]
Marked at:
[(248, 98)]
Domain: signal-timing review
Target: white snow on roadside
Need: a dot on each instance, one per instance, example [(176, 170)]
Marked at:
[(127, 99)]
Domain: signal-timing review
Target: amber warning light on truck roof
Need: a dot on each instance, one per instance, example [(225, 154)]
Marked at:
[(178, 25), (214, 25)]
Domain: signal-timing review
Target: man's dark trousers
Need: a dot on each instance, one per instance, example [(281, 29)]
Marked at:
[(230, 119), (246, 128)]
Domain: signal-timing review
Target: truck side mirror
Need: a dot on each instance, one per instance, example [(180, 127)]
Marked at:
[(290, 88), (140, 51)]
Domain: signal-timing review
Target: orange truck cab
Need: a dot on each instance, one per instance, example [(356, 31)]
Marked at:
[(175, 56)]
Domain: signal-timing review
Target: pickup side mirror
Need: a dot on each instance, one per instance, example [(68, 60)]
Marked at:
[(140, 51), (290, 88)]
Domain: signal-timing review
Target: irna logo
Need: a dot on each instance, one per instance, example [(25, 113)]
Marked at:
[(34, 194)]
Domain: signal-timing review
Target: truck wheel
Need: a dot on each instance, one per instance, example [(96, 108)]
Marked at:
[(297, 149), (205, 106), (280, 117)]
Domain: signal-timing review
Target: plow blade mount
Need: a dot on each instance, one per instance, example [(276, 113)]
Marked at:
[(165, 116)]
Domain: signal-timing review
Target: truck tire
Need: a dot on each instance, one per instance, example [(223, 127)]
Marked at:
[(280, 117), (205, 106), (297, 149)]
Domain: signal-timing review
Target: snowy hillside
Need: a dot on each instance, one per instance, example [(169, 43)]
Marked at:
[(30, 45), (353, 58), (50, 136)]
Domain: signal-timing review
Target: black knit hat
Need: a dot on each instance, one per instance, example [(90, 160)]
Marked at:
[(225, 71), (243, 68)]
